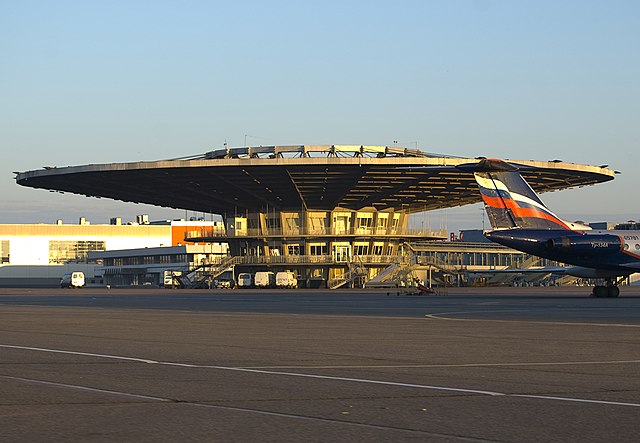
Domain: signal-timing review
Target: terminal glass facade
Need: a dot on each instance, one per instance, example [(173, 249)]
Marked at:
[(65, 251), (339, 246)]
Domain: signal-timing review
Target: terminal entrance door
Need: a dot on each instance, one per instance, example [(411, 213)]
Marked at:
[(341, 253), (341, 223)]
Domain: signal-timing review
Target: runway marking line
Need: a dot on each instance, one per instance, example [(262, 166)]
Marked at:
[(320, 377), (439, 316), (461, 365)]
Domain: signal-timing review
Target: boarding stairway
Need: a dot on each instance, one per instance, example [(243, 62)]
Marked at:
[(384, 277), (401, 273), (355, 270), (441, 265), (198, 277)]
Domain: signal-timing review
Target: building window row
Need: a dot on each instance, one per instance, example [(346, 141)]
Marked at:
[(357, 248), (64, 251), (145, 260), (318, 249)]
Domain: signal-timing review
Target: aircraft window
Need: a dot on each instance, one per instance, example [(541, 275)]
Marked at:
[(626, 246), (637, 246)]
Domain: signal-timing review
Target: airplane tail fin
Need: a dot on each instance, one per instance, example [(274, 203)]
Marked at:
[(509, 200)]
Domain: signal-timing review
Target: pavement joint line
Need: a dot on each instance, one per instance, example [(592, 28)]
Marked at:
[(83, 388), (334, 421), (238, 409), (440, 316), (324, 377)]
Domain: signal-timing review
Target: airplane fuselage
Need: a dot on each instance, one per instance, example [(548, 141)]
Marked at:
[(522, 221), (614, 250)]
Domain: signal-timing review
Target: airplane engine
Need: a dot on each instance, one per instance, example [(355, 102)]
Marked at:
[(600, 244)]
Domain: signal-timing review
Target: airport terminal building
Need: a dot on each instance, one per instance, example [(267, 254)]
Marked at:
[(40, 254), (334, 215)]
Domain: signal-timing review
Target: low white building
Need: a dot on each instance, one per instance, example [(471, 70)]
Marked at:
[(39, 254), (190, 264)]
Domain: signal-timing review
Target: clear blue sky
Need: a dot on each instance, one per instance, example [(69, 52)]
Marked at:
[(96, 82)]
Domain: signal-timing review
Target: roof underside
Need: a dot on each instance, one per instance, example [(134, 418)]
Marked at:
[(219, 183)]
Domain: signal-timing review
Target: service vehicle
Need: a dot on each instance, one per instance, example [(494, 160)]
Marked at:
[(264, 279), (286, 279), (245, 280), (72, 280)]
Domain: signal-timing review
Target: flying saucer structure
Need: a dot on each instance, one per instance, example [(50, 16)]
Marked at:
[(300, 177), (333, 213)]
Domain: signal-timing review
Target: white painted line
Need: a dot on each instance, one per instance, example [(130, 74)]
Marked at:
[(441, 316), (86, 354), (255, 371), (328, 377), (314, 376), (579, 400), (461, 365)]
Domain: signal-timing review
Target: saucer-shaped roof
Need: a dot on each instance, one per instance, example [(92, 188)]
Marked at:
[(300, 177)]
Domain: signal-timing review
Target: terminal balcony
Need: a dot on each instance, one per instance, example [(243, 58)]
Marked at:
[(220, 234)]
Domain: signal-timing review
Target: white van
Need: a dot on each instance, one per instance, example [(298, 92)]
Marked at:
[(265, 279), (245, 280), (72, 280), (286, 279)]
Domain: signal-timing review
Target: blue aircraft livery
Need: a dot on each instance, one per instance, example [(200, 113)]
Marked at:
[(520, 220)]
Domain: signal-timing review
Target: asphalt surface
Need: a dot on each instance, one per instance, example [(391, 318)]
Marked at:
[(532, 364)]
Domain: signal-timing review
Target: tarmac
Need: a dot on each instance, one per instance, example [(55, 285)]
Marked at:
[(470, 364)]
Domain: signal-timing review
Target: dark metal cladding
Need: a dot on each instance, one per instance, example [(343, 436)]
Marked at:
[(532, 241), (599, 244), (571, 247)]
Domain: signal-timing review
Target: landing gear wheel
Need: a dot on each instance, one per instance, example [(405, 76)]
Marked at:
[(606, 291), (600, 291)]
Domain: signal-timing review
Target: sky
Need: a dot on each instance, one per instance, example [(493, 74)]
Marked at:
[(122, 81)]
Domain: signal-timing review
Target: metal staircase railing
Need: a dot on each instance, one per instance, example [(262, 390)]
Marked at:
[(197, 276), (355, 270), (385, 275)]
